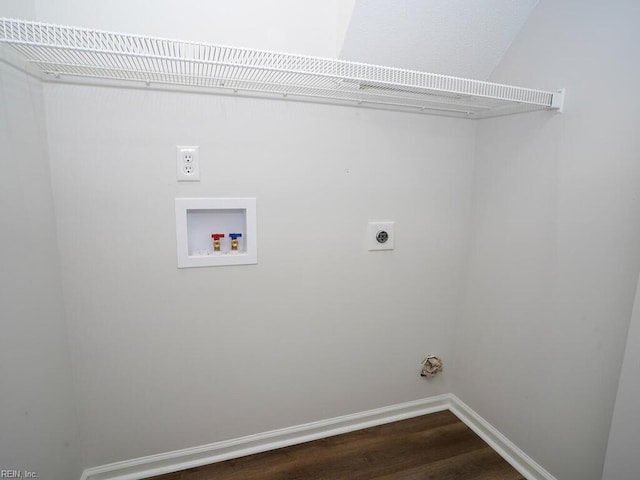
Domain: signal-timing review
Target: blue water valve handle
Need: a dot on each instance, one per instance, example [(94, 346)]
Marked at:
[(234, 241)]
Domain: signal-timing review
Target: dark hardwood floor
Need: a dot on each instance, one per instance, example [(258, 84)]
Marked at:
[(431, 447)]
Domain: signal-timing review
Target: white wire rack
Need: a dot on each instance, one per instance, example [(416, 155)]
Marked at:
[(59, 51)]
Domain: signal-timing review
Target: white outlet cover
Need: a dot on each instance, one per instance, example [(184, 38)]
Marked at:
[(380, 236), (187, 163)]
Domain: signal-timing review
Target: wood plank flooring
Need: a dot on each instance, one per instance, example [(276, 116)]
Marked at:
[(431, 447)]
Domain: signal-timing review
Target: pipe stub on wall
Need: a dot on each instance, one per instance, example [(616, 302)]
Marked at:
[(431, 366)]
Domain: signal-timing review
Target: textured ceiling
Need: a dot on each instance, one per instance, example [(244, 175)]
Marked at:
[(465, 38)]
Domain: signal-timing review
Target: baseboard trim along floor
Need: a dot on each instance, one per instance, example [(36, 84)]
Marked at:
[(519, 460), (169, 462)]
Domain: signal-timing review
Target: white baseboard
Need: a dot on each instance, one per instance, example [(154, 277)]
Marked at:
[(150, 466), (145, 467), (519, 460)]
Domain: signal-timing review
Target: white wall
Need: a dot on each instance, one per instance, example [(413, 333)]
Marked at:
[(37, 414), (312, 27), (555, 233), (24, 9), (169, 359), (622, 461), (465, 38), (172, 358)]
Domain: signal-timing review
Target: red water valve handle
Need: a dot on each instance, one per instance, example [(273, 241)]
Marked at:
[(217, 236)]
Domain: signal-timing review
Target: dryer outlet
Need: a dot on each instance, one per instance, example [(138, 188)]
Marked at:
[(380, 236)]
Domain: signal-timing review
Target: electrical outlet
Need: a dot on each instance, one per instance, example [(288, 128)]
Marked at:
[(188, 164), (380, 236)]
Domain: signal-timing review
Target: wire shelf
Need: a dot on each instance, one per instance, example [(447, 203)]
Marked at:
[(60, 51)]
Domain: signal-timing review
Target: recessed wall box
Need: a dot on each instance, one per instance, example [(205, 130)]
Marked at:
[(198, 219)]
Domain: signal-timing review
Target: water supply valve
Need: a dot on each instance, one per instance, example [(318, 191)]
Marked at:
[(234, 241), (216, 241)]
